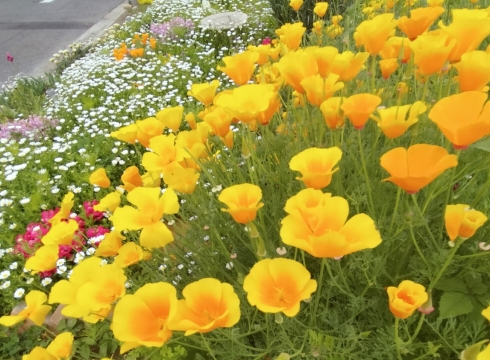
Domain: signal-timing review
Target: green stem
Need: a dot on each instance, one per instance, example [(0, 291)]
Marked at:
[(366, 177), (397, 340), (448, 195), (399, 191), (318, 293), (207, 346), (433, 283), (417, 247), (426, 224), (335, 282), (150, 354), (481, 193), (417, 330), (426, 86), (486, 253), (373, 72)]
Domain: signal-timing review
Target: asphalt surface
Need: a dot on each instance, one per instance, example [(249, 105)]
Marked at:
[(33, 30)]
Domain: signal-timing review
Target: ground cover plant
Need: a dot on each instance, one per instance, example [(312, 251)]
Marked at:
[(326, 196)]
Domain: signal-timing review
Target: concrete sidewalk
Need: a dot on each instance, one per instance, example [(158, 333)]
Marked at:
[(33, 30)]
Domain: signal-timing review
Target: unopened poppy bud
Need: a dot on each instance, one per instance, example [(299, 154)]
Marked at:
[(427, 307)]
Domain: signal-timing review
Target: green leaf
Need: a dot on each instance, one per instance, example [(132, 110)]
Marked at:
[(475, 284), (484, 299), (452, 285), (454, 304), (483, 145)]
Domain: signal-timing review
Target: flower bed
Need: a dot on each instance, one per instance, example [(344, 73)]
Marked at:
[(320, 203)]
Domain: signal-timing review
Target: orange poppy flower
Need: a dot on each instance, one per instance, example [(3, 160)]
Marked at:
[(296, 4), (468, 29), (397, 47), (243, 202), (296, 66), (208, 304), (333, 116), (388, 67), (416, 167), (321, 8), (219, 120), (463, 118), (131, 178), (372, 34), (291, 35), (394, 122), (137, 52), (319, 89), (324, 56), (406, 298), (473, 71), (148, 129), (246, 102), (143, 318), (317, 223), (240, 67), (316, 166), (462, 221), (431, 51), (278, 285), (420, 21), (99, 178), (347, 65), (204, 93), (358, 108)]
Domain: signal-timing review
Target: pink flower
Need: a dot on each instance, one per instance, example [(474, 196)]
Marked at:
[(10, 58), (266, 41), (88, 206)]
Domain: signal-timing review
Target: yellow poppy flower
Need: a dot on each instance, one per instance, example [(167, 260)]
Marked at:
[(317, 223), (243, 202), (316, 166), (278, 285), (34, 310), (208, 304)]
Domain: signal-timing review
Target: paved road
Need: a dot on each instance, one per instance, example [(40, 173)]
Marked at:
[(33, 30)]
